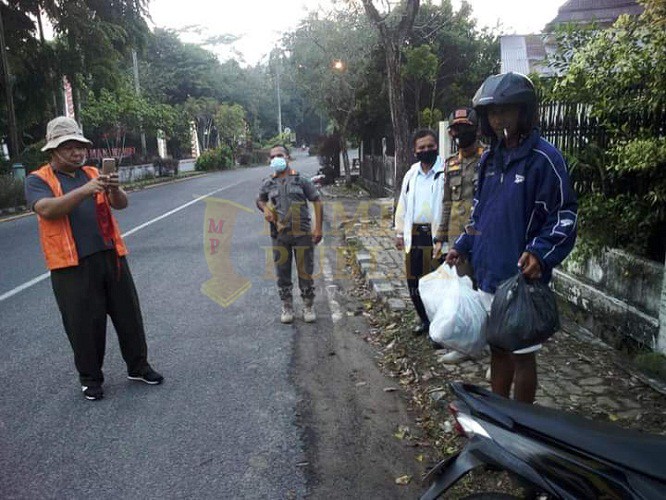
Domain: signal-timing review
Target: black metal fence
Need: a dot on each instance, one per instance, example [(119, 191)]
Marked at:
[(378, 165), (572, 127)]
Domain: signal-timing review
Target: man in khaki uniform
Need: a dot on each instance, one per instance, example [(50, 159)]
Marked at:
[(283, 198), (461, 176)]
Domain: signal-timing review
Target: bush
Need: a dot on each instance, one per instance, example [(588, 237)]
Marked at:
[(618, 72), (32, 157), (653, 364), (215, 159), (11, 192), (256, 157), (628, 183)]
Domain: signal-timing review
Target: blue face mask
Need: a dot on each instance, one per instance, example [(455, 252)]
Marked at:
[(278, 164)]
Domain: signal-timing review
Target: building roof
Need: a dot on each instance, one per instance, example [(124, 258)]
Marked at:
[(602, 12), (526, 53)]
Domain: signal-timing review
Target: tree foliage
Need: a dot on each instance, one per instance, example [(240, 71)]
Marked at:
[(620, 72), (463, 56), (329, 59), (113, 114), (92, 44), (231, 126)]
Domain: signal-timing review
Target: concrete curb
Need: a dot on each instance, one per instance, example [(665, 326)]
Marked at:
[(382, 288)]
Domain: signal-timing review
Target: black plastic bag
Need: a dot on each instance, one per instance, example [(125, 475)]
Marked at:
[(524, 313)]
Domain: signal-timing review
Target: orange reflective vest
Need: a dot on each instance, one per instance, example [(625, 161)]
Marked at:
[(56, 235)]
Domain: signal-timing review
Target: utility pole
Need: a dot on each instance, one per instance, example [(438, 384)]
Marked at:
[(137, 89), (11, 112), (279, 102)]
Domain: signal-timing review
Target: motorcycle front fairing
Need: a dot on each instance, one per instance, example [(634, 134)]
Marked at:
[(483, 452), (553, 467)]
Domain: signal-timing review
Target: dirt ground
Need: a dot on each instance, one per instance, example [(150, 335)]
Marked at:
[(378, 397), (357, 412)]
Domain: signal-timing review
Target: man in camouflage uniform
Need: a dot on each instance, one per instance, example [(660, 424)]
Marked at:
[(283, 198), (461, 176)]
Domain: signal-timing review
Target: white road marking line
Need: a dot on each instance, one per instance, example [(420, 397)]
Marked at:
[(331, 290), (44, 276), (24, 286)]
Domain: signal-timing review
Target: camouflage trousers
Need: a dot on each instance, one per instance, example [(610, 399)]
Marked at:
[(286, 249)]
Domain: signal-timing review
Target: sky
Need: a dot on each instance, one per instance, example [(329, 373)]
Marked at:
[(259, 24)]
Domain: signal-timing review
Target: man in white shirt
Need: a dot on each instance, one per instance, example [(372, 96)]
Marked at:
[(418, 214)]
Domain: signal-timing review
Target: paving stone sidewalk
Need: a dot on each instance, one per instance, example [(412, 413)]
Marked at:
[(576, 373)]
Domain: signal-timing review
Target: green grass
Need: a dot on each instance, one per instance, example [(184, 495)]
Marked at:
[(652, 364)]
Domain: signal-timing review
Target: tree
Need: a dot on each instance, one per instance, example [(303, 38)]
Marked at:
[(92, 45), (203, 112), (329, 58), (465, 56), (421, 67), (94, 40), (393, 28), (231, 126), (174, 71), (113, 113), (619, 73)]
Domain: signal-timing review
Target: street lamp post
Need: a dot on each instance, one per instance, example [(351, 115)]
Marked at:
[(279, 101), (137, 90)]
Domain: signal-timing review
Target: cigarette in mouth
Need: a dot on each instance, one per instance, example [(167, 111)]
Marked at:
[(506, 134)]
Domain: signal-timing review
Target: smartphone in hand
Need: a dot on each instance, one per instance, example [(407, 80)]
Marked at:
[(108, 166)]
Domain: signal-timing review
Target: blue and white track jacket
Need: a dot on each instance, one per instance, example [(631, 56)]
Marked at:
[(524, 202)]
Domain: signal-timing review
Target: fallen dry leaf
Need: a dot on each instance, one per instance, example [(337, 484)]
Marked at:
[(403, 480), (403, 432)]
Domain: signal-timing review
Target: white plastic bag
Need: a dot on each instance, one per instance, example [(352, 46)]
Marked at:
[(439, 294), (457, 316)]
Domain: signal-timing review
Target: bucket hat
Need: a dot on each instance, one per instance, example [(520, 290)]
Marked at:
[(62, 129)]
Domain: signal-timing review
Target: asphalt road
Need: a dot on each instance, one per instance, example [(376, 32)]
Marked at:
[(222, 425)]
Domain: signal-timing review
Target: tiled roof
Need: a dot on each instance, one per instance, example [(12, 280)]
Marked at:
[(603, 12)]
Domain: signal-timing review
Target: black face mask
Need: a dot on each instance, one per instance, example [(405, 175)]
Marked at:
[(466, 139), (428, 157)]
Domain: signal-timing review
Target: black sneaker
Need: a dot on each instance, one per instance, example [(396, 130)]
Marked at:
[(148, 376), (92, 392)]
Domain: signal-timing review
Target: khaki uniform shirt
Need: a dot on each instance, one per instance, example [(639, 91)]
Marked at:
[(288, 196), (459, 185)]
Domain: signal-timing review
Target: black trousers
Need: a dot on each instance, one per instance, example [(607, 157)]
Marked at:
[(418, 263), (100, 285)]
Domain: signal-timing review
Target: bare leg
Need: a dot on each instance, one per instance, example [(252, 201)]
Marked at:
[(501, 371), (525, 378)]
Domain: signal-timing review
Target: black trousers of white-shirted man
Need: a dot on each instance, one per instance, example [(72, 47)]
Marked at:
[(418, 263)]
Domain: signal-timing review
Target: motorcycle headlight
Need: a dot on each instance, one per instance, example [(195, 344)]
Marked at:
[(470, 426)]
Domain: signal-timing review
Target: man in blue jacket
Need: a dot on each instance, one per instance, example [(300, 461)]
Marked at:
[(524, 212)]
